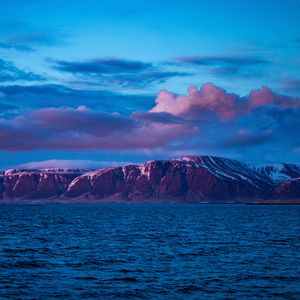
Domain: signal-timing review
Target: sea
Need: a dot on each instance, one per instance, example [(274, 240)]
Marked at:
[(90, 251)]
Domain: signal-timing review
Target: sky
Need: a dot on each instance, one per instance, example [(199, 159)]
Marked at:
[(104, 83)]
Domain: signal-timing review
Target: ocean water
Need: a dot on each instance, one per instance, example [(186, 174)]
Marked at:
[(149, 252)]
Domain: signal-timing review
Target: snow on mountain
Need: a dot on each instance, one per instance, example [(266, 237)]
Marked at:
[(186, 179), (226, 168), (278, 172), (50, 170), (183, 179)]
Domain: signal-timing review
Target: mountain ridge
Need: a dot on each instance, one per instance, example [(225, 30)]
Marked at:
[(196, 179)]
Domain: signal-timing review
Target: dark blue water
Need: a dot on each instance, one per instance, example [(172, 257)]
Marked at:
[(149, 252)]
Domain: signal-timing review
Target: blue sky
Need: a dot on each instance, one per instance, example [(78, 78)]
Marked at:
[(91, 61)]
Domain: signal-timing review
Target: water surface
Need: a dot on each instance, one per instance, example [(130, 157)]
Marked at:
[(149, 252)]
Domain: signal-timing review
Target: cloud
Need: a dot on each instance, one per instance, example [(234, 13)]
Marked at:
[(15, 46), (9, 72), (208, 120), (73, 164), (237, 60), (117, 72), (160, 117), (234, 65), (7, 107), (7, 110), (81, 119), (297, 150), (30, 42), (104, 66), (51, 95), (211, 100), (208, 100), (83, 129), (245, 138), (291, 84), (222, 60), (266, 97)]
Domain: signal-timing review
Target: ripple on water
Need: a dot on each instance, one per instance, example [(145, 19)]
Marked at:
[(149, 252)]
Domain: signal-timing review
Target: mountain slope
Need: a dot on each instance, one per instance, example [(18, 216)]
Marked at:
[(278, 172), (187, 179), (288, 190), (34, 184)]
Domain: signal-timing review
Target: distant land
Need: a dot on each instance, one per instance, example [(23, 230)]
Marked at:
[(189, 179)]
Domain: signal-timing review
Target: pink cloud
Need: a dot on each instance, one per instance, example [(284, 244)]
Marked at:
[(83, 129), (211, 99), (202, 117), (65, 163), (265, 96)]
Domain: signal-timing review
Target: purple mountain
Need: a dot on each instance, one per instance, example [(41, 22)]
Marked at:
[(192, 179)]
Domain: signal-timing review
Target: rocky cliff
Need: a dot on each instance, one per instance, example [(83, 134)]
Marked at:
[(185, 180)]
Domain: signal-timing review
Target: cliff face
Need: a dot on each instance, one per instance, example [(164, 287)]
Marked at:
[(188, 179), (288, 190), (34, 184)]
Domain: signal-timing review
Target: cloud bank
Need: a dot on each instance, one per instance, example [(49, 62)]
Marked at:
[(30, 42), (117, 72), (72, 164), (226, 65), (10, 73), (208, 119), (83, 129), (212, 100)]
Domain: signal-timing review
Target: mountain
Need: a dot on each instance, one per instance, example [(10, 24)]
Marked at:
[(278, 172), (34, 184), (288, 190), (189, 179)]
